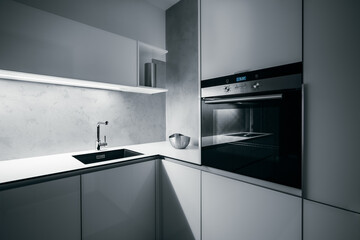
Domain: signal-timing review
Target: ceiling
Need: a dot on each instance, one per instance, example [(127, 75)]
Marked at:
[(163, 4)]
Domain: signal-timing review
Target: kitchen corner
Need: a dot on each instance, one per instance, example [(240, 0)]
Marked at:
[(97, 96)]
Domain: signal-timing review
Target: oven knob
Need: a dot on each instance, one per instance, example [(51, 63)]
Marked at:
[(227, 88), (256, 85)]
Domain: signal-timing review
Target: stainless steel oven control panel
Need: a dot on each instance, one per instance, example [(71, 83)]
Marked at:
[(277, 83)]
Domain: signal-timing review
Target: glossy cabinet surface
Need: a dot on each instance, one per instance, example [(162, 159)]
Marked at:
[(180, 201), (233, 209), (243, 35), (119, 203), (332, 116), (48, 210), (325, 222)]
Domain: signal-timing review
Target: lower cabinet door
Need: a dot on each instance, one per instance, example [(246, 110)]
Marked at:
[(49, 210), (119, 203), (180, 202), (325, 222), (236, 210)]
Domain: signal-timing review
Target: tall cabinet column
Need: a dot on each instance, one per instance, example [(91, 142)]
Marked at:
[(332, 116)]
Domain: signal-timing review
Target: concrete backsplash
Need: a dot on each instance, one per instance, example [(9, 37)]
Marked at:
[(41, 119)]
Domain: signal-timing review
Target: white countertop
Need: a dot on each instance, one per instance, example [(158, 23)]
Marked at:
[(21, 169)]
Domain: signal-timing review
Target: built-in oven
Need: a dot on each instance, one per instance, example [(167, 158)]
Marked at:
[(252, 124)]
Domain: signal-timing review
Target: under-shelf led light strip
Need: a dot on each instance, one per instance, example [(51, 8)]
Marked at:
[(37, 78)]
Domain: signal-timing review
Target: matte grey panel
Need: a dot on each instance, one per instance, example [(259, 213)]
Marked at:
[(49, 210), (135, 19), (332, 116), (324, 222), (48, 119), (242, 35), (182, 79), (119, 203), (39, 42), (235, 210), (181, 211)]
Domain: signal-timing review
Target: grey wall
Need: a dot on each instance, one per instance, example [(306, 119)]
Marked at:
[(136, 19), (182, 105), (41, 119)]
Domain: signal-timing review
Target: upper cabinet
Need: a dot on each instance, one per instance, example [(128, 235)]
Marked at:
[(244, 35), (35, 41), (39, 42)]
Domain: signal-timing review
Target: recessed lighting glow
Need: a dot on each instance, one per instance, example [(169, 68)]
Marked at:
[(38, 78)]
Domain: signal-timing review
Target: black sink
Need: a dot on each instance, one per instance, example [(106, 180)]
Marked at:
[(105, 156)]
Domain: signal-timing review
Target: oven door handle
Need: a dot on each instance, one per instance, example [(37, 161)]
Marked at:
[(244, 99)]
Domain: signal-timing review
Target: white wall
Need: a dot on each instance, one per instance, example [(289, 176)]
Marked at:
[(136, 19)]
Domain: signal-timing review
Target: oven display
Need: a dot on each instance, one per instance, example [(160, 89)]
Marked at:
[(240, 79)]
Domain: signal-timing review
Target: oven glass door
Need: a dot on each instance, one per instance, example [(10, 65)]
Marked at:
[(258, 136)]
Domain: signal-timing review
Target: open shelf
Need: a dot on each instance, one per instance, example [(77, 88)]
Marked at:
[(38, 78), (151, 54)]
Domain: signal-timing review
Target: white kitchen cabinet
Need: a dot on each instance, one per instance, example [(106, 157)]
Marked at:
[(119, 203), (180, 201), (35, 41), (325, 222), (233, 209), (332, 116), (49, 210), (243, 35)]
